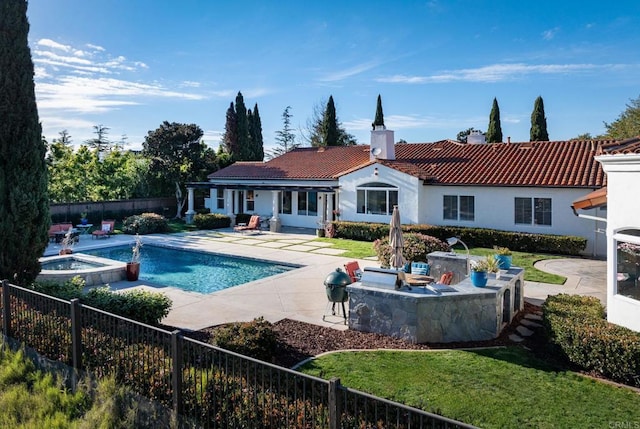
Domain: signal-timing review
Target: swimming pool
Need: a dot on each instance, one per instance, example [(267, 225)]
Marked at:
[(192, 270)]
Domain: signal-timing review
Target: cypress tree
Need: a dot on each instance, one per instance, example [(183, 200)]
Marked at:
[(24, 201), (330, 134), (230, 137), (244, 143), (256, 135), (494, 132), (379, 119), (538, 131)]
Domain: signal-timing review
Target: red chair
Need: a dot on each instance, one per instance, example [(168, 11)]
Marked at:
[(253, 225), (446, 278), (353, 271), (106, 229)]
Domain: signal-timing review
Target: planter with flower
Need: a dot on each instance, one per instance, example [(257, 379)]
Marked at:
[(480, 271), (133, 266), (503, 256), (83, 218)]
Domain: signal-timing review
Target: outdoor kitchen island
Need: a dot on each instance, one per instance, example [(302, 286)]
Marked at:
[(382, 303)]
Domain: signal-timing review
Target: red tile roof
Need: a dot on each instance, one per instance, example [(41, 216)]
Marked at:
[(631, 145), (302, 163), (551, 164)]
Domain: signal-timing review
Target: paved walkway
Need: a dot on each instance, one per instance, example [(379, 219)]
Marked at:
[(298, 294)]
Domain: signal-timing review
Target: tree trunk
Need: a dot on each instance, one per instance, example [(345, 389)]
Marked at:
[(179, 201)]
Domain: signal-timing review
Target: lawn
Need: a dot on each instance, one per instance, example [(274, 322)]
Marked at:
[(490, 388), (362, 249)]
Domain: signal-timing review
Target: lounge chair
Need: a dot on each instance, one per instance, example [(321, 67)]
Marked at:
[(253, 225), (353, 271), (106, 229)]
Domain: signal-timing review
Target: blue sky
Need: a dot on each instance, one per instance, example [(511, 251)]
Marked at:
[(130, 65)]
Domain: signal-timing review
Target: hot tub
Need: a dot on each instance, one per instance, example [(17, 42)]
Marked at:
[(93, 269)]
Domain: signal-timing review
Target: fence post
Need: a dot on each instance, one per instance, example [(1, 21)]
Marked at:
[(176, 376), (6, 309), (76, 334), (334, 404)]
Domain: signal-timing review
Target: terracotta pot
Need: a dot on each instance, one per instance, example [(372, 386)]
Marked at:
[(133, 271)]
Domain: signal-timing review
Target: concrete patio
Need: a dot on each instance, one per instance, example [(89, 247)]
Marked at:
[(298, 294)]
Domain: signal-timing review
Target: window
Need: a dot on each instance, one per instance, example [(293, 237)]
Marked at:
[(456, 207), (536, 211), (285, 202), (376, 198), (307, 204), (220, 198), (628, 263), (250, 201)]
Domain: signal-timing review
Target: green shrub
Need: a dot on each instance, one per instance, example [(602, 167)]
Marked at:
[(212, 221), (416, 248), (475, 237), (146, 223), (143, 306), (576, 326), (256, 338)]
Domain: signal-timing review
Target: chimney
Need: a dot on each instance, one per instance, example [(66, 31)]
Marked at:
[(508, 139), (382, 144), (476, 137)]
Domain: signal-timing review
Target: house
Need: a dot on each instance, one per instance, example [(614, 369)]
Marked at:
[(525, 187), (621, 163)]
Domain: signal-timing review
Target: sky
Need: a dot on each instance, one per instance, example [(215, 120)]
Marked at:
[(130, 65)]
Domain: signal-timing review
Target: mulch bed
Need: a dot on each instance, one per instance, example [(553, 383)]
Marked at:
[(298, 341)]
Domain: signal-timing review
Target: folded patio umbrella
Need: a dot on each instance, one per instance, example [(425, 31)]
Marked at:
[(395, 240)]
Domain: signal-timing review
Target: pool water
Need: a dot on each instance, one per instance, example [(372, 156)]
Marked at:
[(69, 264), (194, 271)]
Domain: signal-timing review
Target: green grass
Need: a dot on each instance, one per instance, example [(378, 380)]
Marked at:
[(489, 388), (526, 260), (362, 249), (354, 249)]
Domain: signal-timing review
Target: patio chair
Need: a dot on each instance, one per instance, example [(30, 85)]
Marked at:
[(253, 225), (106, 229), (353, 270), (420, 268)]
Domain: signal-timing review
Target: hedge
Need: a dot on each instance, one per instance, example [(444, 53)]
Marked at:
[(473, 237), (211, 221), (577, 327)]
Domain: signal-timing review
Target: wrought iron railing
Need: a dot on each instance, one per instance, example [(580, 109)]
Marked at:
[(203, 385)]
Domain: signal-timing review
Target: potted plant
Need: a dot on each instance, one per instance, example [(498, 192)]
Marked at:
[(133, 266), (503, 256), (68, 241), (481, 269), (83, 218)]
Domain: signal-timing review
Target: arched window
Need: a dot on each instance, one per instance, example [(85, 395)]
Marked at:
[(628, 263), (376, 198)]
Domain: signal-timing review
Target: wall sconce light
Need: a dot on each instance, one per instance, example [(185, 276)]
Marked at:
[(375, 171)]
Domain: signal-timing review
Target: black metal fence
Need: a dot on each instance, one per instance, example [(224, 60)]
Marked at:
[(202, 385)]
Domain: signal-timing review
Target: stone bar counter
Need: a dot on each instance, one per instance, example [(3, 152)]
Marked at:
[(383, 303)]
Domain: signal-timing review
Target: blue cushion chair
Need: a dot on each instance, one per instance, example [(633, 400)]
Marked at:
[(420, 268)]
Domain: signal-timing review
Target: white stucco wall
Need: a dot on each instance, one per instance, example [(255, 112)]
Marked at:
[(623, 208), (408, 194), (494, 208)]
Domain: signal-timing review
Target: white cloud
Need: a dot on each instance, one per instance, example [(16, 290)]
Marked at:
[(497, 73), (550, 33), (352, 71), (405, 122)]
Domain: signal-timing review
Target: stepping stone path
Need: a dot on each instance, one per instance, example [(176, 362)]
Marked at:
[(528, 324)]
